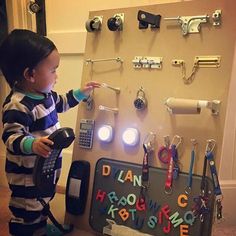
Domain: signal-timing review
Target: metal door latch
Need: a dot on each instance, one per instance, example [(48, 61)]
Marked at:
[(146, 18), (207, 61), (147, 62), (190, 24)]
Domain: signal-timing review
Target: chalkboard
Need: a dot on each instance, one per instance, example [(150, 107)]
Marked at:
[(116, 191)]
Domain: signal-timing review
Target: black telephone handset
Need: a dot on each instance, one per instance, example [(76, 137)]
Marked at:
[(44, 174)]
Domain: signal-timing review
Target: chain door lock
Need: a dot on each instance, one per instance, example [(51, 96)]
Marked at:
[(140, 102)]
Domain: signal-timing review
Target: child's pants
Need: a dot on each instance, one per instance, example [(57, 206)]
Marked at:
[(19, 228)]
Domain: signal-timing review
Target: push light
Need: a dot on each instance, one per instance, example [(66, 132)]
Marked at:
[(130, 136), (105, 133)]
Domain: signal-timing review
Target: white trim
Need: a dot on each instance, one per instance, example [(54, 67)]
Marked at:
[(227, 162), (228, 184), (19, 16), (69, 42), (228, 188)]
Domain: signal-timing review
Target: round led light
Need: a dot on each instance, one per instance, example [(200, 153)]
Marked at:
[(105, 133), (130, 136)]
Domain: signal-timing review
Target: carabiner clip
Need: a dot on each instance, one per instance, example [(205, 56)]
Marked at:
[(218, 209), (179, 141), (168, 190), (149, 142), (211, 143)]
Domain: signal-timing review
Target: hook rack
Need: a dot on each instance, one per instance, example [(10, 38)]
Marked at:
[(109, 109), (117, 90)]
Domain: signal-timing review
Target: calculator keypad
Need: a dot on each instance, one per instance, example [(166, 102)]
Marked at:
[(85, 139), (49, 164)]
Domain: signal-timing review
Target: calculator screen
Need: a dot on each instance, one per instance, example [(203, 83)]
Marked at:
[(86, 126)]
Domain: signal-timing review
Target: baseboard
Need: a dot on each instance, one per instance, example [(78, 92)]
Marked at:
[(228, 188)]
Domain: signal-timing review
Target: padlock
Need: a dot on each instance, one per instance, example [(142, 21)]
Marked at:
[(140, 102)]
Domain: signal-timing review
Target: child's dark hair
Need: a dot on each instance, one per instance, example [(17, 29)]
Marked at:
[(20, 50)]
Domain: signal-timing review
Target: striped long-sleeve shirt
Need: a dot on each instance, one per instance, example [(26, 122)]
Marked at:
[(26, 117)]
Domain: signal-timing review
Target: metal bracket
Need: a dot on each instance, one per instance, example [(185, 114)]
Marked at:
[(146, 18), (147, 62), (117, 59), (190, 24), (214, 106), (207, 61), (116, 89), (114, 110), (94, 24), (216, 17), (116, 22)]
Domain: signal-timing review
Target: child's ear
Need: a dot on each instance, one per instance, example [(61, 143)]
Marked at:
[(29, 74)]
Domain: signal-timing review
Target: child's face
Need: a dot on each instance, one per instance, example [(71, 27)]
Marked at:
[(45, 73)]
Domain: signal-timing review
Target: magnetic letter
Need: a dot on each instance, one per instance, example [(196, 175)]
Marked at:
[(183, 230), (124, 214), (122, 201), (152, 222), (112, 211), (133, 211), (129, 176), (119, 177), (140, 205), (180, 202), (106, 170), (137, 180), (174, 220), (100, 195), (166, 210), (133, 199), (112, 197), (138, 224), (166, 229), (153, 206), (189, 217)]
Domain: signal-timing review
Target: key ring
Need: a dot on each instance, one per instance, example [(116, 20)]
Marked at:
[(168, 190), (164, 154)]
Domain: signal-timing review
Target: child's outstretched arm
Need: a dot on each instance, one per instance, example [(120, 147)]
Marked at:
[(88, 88), (73, 97)]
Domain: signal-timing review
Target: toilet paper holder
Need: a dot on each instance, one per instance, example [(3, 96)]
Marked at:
[(191, 106)]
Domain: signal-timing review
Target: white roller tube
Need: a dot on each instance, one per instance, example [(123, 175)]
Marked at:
[(185, 106)]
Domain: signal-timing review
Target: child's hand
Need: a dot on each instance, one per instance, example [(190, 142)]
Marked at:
[(41, 146), (87, 89)]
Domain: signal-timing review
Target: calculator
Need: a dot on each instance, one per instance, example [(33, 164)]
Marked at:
[(86, 133), (44, 172)]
